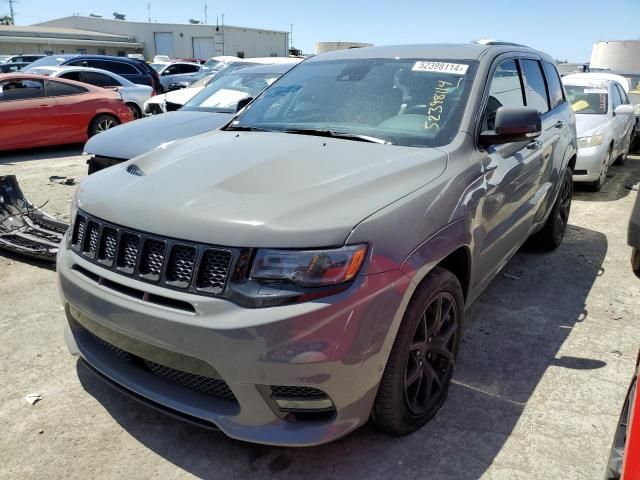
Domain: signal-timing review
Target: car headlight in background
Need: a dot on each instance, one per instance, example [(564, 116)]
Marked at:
[(593, 141), (309, 268), (636, 109)]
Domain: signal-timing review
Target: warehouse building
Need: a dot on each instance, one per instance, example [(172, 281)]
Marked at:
[(49, 40), (183, 40)]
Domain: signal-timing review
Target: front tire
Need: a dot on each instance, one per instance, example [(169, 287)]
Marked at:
[(136, 113), (416, 379), (599, 183), (551, 235)]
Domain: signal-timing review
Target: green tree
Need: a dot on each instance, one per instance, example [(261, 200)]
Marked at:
[(6, 20)]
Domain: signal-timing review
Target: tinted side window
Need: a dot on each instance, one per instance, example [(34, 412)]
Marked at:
[(172, 70), (21, 90), (505, 90), (534, 86), (616, 98), (100, 79), (623, 94), (556, 95), (59, 89), (120, 68), (189, 68), (77, 63), (72, 76)]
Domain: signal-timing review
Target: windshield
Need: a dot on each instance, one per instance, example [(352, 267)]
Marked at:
[(586, 99), (223, 96), (49, 61), (211, 63), (158, 66), (202, 81), (409, 102), (3, 58)]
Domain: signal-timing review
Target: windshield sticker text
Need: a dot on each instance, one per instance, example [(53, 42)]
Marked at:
[(440, 67), (435, 108)]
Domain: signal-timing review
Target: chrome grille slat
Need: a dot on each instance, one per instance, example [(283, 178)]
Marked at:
[(175, 264)]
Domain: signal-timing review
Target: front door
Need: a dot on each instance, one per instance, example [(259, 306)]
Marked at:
[(514, 172)]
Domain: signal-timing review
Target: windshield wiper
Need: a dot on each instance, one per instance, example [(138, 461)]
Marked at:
[(334, 134), (248, 128)]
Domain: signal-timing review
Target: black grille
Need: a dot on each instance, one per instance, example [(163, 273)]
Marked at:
[(296, 392), (181, 263), (213, 270), (107, 251), (214, 387), (152, 259), (171, 263)]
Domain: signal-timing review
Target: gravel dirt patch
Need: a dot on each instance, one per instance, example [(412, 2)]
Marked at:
[(545, 362)]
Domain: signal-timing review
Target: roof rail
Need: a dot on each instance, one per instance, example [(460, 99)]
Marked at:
[(488, 41)]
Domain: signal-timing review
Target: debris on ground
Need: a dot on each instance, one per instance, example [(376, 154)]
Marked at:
[(33, 398), (25, 229), (62, 180)]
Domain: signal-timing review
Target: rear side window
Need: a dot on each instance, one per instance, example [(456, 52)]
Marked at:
[(505, 91), (100, 79), (534, 86), (59, 89), (21, 90), (120, 68), (72, 76), (556, 95)]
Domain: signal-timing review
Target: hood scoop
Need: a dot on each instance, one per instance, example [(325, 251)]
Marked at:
[(135, 170)]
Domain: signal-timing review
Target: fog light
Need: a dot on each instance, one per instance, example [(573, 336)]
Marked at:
[(303, 404)]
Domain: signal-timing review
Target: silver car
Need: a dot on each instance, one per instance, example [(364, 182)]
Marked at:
[(605, 125), (308, 267)]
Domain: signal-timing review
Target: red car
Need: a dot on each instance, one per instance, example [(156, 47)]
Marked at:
[(624, 460), (37, 111)]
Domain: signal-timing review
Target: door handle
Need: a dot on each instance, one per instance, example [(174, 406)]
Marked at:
[(534, 145), (559, 124), (44, 106)]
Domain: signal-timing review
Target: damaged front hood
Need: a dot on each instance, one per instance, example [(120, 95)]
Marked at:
[(258, 189), (135, 138)]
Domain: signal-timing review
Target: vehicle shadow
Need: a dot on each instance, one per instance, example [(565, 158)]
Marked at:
[(41, 153), (513, 334), (621, 179), (34, 262)]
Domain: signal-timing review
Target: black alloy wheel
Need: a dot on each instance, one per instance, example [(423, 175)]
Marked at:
[(431, 357)]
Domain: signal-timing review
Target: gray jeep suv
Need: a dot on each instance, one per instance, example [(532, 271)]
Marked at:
[(314, 272)]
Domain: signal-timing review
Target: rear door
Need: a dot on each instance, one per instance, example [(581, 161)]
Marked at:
[(25, 113), (513, 171), (72, 110)]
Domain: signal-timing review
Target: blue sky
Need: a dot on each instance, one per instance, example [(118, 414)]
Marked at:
[(565, 29)]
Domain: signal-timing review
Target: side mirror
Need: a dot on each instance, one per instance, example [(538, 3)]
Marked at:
[(513, 124), (243, 103), (623, 110)]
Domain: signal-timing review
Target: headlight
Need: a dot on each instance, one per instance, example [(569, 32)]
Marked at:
[(593, 141), (636, 109), (309, 268)]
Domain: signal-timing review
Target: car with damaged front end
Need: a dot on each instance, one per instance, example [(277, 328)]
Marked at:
[(314, 272)]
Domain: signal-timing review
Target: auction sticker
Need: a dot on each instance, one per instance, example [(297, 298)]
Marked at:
[(595, 90), (440, 67)]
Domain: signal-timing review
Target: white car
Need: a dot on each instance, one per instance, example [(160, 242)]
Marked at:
[(176, 72), (134, 95), (173, 100), (604, 123)]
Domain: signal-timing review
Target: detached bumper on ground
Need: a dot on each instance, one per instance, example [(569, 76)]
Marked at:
[(296, 375)]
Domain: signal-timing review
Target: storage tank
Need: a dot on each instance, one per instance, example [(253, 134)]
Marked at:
[(323, 47), (623, 55)]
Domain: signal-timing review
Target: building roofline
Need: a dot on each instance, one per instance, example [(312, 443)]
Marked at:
[(209, 25)]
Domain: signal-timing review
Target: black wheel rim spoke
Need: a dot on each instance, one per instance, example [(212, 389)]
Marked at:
[(431, 354)]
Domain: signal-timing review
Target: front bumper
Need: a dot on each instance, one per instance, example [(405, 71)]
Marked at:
[(589, 163), (338, 344)]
